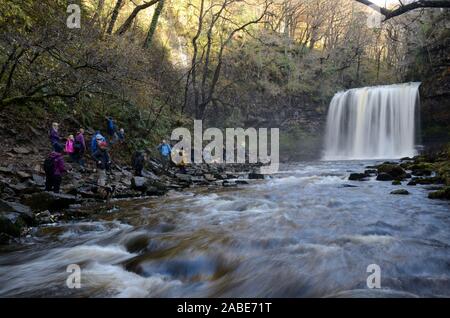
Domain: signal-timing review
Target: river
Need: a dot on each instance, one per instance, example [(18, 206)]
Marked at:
[(303, 233)]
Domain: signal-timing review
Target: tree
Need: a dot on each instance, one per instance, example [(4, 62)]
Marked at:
[(128, 22), (114, 16), (154, 23), (403, 8)]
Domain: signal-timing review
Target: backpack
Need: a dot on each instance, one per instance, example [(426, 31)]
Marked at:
[(111, 128), (49, 166), (78, 147)]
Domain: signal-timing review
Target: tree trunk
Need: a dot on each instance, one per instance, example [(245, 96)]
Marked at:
[(114, 17), (154, 24)]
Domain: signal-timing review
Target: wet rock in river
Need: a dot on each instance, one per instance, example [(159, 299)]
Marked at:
[(393, 170), (400, 192), (371, 172), (384, 177), (443, 194), (256, 176), (358, 177)]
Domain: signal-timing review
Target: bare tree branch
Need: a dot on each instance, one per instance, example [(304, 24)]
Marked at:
[(389, 14)]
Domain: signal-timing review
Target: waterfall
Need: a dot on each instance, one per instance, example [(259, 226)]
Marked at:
[(373, 123)]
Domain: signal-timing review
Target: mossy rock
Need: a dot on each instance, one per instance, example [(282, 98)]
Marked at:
[(443, 194), (396, 182), (394, 170), (400, 192), (427, 181), (422, 166), (9, 227)]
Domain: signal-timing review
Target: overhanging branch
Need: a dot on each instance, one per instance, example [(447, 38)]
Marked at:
[(403, 8)]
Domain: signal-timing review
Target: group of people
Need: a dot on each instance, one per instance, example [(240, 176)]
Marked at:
[(76, 148)]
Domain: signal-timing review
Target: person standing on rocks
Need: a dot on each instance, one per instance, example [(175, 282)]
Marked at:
[(102, 156), (111, 127), (70, 147), (54, 169), (54, 135), (138, 162), (80, 148), (165, 150), (96, 139)]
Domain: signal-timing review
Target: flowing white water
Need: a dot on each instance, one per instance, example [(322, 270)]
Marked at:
[(372, 123)]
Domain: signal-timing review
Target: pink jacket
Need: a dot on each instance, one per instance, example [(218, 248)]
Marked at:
[(69, 147)]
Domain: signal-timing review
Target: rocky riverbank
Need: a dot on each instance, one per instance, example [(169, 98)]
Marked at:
[(24, 203), (430, 169)]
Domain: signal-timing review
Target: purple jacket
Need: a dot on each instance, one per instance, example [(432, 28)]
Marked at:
[(80, 139), (58, 163), (54, 136)]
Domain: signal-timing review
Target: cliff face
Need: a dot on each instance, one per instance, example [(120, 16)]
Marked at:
[(435, 109)]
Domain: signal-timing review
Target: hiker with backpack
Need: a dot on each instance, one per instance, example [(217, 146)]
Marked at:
[(101, 156), (70, 147), (96, 139), (54, 169), (111, 127), (80, 148), (165, 151), (138, 162), (54, 135)]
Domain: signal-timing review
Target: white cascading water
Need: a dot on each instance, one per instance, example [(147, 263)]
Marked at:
[(372, 123)]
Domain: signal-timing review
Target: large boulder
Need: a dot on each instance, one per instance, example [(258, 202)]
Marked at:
[(443, 194), (358, 177), (395, 171), (384, 177), (8, 228), (6, 206), (148, 186), (42, 201), (13, 218)]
